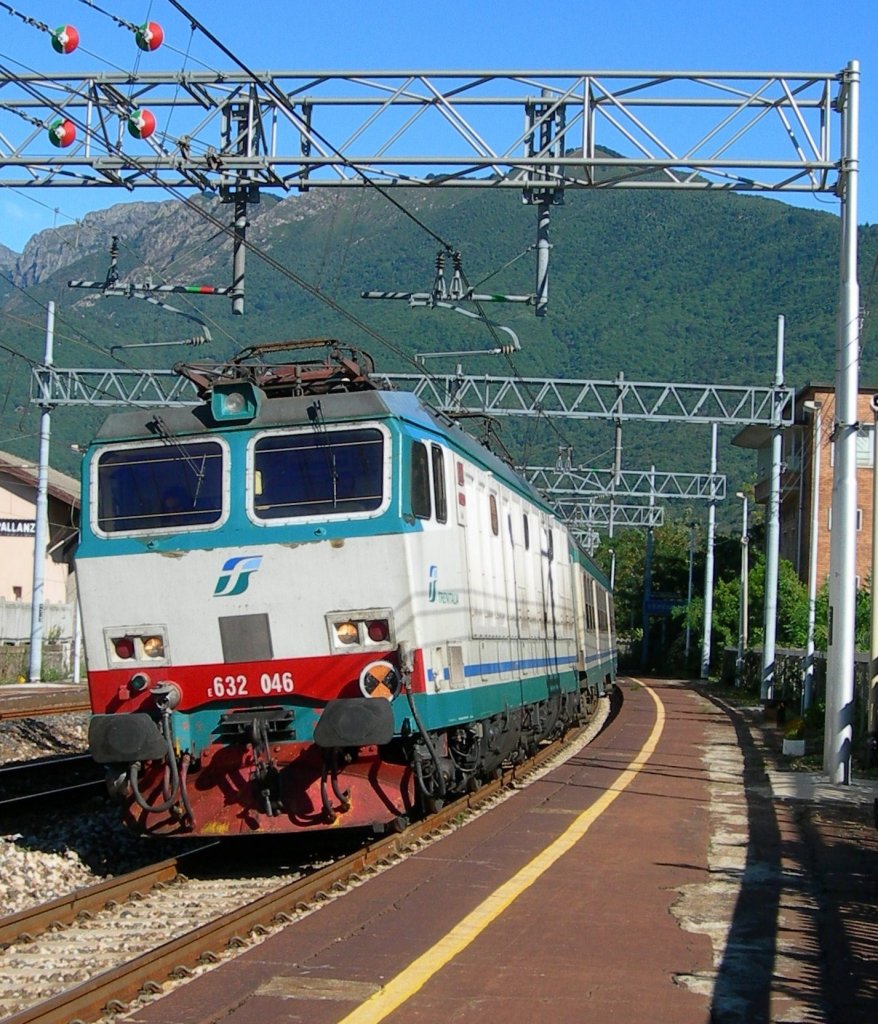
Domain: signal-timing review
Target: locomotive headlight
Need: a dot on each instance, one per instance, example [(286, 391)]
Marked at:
[(361, 630), (153, 647), (234, 402), (347, 633), (147, 644), (380, 679)]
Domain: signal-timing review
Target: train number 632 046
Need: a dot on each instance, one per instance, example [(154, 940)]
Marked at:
[(239, 686)]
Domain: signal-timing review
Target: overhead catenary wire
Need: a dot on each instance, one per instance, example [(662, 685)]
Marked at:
[(229, 230), (281, 97), (284, 101), (317, 292)]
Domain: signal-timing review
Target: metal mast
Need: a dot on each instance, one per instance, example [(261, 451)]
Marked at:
[(842, 546)]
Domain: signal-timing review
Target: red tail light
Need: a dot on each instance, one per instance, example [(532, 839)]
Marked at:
[(378, 630), (124, 647)]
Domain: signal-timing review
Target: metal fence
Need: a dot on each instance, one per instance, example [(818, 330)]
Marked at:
[(15, 630), (15, 622), (789, 670)]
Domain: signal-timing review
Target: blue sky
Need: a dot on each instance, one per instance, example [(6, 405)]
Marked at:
[(627, 35)]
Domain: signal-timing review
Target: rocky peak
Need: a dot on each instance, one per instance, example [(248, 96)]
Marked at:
[(8, 258)]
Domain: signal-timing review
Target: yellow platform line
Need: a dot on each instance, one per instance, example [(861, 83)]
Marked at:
[(401, 988)]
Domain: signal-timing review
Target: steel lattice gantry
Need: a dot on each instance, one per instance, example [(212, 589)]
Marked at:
[(534, 130), (604, 483), (497, 396)]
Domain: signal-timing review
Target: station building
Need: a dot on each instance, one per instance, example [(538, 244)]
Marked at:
[(18, 513), (807, 467)]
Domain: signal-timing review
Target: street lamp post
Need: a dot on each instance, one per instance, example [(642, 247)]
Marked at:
[(743, 610)]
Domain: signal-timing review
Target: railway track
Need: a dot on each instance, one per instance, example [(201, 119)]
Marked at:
[(35, 708), (47, 782), (169, 925)]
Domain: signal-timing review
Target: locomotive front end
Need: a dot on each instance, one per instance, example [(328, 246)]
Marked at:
[(242, 618)]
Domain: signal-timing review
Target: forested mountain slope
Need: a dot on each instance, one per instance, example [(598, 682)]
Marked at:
[(663, 286)]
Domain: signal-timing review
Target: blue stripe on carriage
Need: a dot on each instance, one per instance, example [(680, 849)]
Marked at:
[(488, 668)]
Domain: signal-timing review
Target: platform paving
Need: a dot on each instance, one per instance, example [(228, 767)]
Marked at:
[(703, 885)]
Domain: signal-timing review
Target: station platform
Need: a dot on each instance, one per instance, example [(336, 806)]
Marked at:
[(20, 699), (668, 872)]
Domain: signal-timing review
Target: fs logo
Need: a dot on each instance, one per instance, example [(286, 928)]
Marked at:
[(432, 578), (235, 575)]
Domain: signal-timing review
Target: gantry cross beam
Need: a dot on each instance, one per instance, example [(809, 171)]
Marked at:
[(496, 396), (628, 483), (536, 130)]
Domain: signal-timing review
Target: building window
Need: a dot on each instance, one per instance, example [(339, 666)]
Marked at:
[(865, 446)]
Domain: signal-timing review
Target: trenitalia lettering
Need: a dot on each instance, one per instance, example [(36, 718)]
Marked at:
[(434, 594)]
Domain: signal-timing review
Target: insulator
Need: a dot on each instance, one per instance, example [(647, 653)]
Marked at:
[(65, 39), (62, 133), (141, 123), (150, 36)]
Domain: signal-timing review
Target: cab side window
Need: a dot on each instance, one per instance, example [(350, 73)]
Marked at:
[(420, 484), (439, 483)]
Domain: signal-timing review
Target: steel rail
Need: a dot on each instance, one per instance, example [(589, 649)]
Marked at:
[(50, 797), (49, 761), (31, 710)]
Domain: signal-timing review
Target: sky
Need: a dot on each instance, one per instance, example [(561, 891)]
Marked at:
[(627, 35)]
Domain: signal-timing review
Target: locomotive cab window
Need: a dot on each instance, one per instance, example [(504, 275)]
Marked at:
[(325, 473), (495, 518), (170, 486), (439, 483), (420, 489)]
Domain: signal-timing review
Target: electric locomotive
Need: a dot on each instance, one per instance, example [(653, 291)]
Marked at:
[(310, 603)]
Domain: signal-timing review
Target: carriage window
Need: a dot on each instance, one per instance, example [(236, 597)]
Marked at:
[(324, 473), (439, 484), (495, 521), (173, 486), (420, 493), (526, 534)]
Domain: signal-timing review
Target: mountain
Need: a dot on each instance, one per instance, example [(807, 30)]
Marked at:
[(663, 286), (7, 258)]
